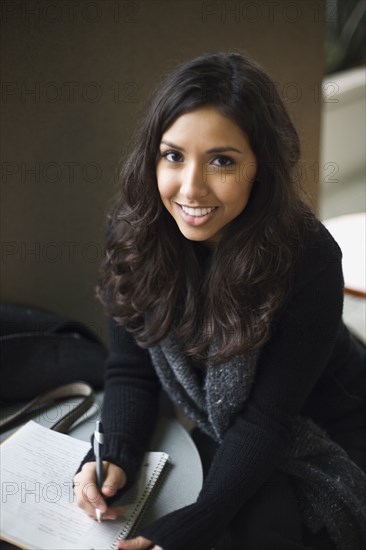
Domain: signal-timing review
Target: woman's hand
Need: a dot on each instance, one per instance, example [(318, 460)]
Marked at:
[(87, 494), (139, 543)]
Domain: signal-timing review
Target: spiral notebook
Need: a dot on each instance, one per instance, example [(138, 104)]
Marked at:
[(37, 503)]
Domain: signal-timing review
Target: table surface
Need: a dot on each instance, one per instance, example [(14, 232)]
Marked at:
[(183, 479)]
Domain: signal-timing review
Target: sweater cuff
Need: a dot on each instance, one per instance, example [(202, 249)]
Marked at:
[(124, 455), (118, 453), (195, 527)]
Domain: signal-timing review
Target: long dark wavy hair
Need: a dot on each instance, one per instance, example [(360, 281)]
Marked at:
[(153, 278)]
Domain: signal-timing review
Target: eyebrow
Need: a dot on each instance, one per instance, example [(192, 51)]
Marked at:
[(209, 151)]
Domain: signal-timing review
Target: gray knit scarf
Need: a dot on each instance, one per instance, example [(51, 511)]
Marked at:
[(331, 488)]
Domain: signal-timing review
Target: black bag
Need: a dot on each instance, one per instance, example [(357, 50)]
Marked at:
[(41, 351)]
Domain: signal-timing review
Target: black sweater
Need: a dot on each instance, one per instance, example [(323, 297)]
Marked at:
[(311, 365)]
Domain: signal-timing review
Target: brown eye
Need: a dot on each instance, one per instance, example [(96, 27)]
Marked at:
[(223, 161), (172, 156)]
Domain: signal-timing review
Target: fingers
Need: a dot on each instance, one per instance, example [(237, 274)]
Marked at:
[(87, 495), (115, 478), (86, 492), (138, 543)]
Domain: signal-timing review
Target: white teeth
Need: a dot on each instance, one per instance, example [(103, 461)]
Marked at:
[(197, 211)]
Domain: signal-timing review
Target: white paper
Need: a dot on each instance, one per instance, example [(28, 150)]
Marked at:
[(37, 500)]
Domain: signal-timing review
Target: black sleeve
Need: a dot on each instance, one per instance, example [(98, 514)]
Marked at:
[(289, 366), (130, 403)]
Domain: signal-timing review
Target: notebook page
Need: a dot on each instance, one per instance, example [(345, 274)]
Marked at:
[(38, 509)]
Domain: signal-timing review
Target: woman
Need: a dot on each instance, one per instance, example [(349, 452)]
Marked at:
[(224, 289)]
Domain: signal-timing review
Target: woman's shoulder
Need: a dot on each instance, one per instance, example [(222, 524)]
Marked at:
[(316, 252), (316, 237)]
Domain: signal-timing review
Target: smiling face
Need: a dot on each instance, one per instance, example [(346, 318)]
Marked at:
[(205, 172)]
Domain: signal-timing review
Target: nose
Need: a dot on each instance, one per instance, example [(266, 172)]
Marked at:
[(193, 185)]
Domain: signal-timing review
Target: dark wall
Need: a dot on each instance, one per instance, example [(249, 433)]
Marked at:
[(75, 75)]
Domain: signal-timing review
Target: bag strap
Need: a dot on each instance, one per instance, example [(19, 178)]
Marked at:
[(75, 389)]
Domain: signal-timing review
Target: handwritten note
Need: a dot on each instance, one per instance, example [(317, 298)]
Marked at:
[(37, 500)]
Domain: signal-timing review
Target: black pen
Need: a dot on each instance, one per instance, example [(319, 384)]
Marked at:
[(98, 444)]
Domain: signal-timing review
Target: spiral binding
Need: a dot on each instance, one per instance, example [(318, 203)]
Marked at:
[(145, 497)]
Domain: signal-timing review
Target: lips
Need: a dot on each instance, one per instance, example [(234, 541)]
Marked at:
[(200, 216), (197, 211)]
